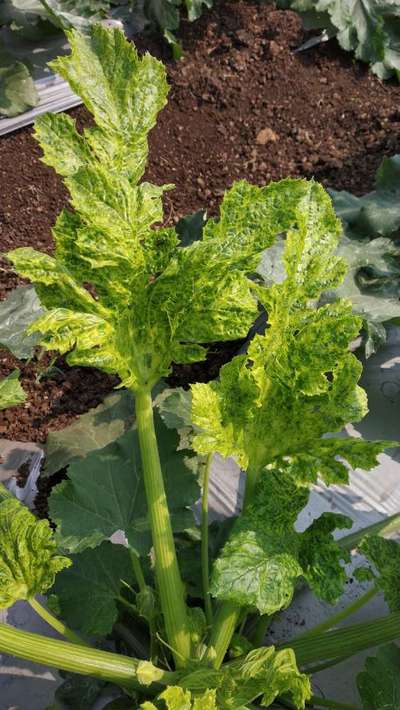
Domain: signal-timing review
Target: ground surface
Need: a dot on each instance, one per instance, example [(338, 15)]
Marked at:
[(243, 104)]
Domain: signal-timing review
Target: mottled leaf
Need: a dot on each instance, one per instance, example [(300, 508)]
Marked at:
[(29, 560), (264, 556)]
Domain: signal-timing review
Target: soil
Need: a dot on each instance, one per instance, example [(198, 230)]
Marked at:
[(243, 104)]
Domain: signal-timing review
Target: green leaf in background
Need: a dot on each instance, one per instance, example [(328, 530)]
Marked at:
[(89, 590), (105, 493), (78, 692), (369, 28), (190, 229), (11, 392), (29, 560), (370, 225), (17, 312), (175, 406), (75, 13), (264, 556), (376, 213), (195, 8), (379, 683), (385, 557), (90, 432), (17, 88)]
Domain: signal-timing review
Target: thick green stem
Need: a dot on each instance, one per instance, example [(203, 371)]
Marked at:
[(383, 527), (346, 641), (56, 624), (335, 619), (261, 628), (169, 580), (75, 659), (333, 704), (205, 564), (222, 632)]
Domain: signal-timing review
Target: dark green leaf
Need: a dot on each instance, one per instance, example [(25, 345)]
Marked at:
[(385, 556), (92, 431), (379, 683), (89, 590), (105, 493)]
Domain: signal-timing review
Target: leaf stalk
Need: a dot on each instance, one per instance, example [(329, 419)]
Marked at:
[(170, 586)]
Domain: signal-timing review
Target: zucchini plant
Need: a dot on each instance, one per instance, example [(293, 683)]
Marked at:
[(187, 606)]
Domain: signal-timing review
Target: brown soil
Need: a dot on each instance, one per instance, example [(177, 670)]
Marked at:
[(243, 104)]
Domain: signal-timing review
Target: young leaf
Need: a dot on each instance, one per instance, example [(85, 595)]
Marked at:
[(385, 556), (11, 392), (88, 592), (105, 493), (264, 556), (29, 560), (176, 698), (379, 683), (272, 673), (263, 675)]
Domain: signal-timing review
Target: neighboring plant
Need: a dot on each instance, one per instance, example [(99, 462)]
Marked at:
[(369, 28), (11, 392), (370, 246), (26, 25), (129, 298)]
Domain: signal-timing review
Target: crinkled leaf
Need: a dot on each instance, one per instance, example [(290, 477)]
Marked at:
[(137, 322), (379, 683), (264, 556), (90, 432), (88, 591), (298, 381), (11, 392), (29, 560), (385, 557), (262, 675), (272, 673), (105, 493), (17, 312)]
